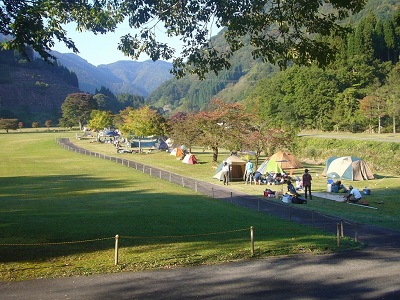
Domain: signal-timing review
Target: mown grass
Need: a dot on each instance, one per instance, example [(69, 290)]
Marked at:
[(60, 212), (384, 189)]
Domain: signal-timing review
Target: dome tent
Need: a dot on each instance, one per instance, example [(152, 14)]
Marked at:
[(269, 165), (177, 152), (347, 167), (190, 159)]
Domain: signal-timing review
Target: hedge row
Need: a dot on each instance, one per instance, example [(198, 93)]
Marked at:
[(382, 157)]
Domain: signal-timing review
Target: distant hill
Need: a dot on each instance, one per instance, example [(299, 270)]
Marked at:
[(33, 91), (235, 84), (131, 77)]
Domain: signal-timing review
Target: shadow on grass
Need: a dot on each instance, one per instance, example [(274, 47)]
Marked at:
[(52, 216)]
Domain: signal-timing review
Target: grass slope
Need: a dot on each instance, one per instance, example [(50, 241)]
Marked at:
[(383, 189), (60, 211)]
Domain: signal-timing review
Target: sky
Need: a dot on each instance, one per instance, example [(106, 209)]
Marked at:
[(102, 48)]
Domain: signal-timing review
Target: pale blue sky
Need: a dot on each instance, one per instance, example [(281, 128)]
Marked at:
[(102, 48)]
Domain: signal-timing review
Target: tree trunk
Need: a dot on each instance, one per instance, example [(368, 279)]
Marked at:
[(394, 124), (215, 154), (379, 125)]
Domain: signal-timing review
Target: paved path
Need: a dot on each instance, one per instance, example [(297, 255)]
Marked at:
[(371, 273), (367, 274)]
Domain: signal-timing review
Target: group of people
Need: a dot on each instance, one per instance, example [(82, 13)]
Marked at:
[(305, 182), (275, 178), (271, 178)]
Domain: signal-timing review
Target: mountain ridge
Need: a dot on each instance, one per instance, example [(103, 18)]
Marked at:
[(124, 76)]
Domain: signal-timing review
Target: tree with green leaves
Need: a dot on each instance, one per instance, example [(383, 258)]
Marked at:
[(9, 124), (222, 125), (142, 122), (184, 129), (390, 92), (76, 109), (279, 31), (100, 119)]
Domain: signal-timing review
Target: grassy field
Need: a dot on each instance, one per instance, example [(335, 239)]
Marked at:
[(60, 212), (384, 189)]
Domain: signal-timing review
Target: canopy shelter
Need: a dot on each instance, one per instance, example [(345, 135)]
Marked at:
[(286, 160), (237, 166), (347, 167)]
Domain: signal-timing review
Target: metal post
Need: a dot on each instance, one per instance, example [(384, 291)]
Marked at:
[(116, 250), (252, 239), (356, 232), (341, 228), (338, 234)]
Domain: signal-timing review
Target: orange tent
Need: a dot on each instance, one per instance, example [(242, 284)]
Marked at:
[(177, 152), (286, 160)]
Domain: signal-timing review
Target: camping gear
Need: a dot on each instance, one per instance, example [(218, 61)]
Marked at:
[(366, 191), (287, 198), (190, 159), (237, 166), (347, 167), (269, 193), (298, 200), (286, 160)]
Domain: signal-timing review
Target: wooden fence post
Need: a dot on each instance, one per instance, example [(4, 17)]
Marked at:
[(338, 234)]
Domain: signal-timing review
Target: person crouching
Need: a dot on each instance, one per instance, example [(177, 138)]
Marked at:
[(354, 196)]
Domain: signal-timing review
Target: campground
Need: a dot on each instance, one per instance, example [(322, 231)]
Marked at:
[(383, 195), (39, 178)]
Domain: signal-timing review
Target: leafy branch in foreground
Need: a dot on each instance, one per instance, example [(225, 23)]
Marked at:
[(280, 31)]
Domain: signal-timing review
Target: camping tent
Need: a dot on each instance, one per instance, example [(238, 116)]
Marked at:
[(177, 152), (248, 155), (237, 166), (269, 165), (286, 160), (143, 143), (190, 159), (162, 145), (347, 167)]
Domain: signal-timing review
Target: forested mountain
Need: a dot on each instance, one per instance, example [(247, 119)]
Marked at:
[(33, 91), (131, 77), (236, 84)]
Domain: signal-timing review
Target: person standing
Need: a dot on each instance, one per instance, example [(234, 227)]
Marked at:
[(249, 171), (307, 183), (225, 172)]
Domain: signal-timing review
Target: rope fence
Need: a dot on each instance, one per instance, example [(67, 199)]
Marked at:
[(282, 210), (118, 237)]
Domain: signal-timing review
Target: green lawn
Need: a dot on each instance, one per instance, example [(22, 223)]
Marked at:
[(383, 189), (60, 212)]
